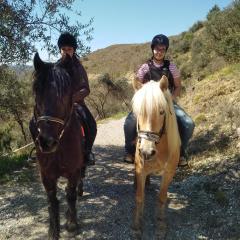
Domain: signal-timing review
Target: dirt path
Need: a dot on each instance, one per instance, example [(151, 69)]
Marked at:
[(199, 207)]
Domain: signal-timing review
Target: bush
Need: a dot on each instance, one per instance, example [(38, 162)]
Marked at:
[(196, 26), (223, 29), (186, 70), (5, 140), (8, 164), (200, 118), (186, 42), (109, 96)]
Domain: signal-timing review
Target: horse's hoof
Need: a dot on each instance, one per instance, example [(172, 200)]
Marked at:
[(71, 227), (53, 235), (80, 192), (80, 189), (137, 232)]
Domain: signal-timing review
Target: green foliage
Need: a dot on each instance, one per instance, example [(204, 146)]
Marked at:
[(5, 140), (223, 29), (186, 70), (213, 12), (184, 44), (13, 100), (8, 164), (22, 25), (196, 26), (108, 96), (200, 118)]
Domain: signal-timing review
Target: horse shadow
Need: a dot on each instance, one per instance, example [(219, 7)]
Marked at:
[(110, 193), (201, 205)]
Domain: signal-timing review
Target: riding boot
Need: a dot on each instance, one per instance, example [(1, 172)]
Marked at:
[(89, 159), (183, 161)]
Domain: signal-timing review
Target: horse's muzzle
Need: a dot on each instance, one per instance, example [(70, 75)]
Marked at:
[(148, 154), (47, 144)]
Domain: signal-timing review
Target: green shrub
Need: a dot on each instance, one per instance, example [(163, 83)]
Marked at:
[(5, 140), (200, 118), (186, 70), (8, 164), (196, 26)]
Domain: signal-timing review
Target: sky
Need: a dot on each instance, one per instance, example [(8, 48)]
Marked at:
[(137, 21)]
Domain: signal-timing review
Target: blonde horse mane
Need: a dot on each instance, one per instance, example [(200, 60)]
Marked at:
[(151, 99)]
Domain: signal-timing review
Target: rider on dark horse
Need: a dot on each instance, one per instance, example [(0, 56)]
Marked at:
[(67, 45)]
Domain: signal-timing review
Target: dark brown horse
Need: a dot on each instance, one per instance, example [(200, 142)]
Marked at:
[(55, 129)]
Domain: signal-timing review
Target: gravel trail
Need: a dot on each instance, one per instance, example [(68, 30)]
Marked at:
[(105, 210)]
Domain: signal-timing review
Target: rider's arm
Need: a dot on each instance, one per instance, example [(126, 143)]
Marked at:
[(177, 81), (141, 76), (177, 90), (83, 86)]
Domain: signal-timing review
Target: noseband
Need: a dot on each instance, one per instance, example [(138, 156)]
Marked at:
[(152, 136), (54, 120)]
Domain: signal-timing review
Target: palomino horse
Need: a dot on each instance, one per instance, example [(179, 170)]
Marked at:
[(55, 129), (158, 145)]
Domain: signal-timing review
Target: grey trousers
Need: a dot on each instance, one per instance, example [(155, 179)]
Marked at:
[(185, 126)]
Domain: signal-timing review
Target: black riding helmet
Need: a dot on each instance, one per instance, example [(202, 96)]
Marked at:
[(67, 39), (160, 39)]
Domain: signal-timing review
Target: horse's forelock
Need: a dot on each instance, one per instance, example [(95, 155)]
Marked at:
[(148, 100), (52, 75)]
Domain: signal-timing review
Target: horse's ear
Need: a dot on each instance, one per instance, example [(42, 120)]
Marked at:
[(163, 83), (37, 62)]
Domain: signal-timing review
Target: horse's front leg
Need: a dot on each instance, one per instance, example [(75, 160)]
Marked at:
[(138, 212), (161, 226), (53, 208), (80, 182), (71, 214)]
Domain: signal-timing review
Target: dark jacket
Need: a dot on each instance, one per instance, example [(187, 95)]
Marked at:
[(155, 73), (80, 85)]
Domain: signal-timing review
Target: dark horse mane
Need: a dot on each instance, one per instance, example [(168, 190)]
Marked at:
[(51, 75)]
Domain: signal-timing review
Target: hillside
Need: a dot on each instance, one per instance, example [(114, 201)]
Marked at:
[(117, 60), (208, 58)]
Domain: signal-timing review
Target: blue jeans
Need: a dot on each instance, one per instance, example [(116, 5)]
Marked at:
[(130, 133), (185, 126)]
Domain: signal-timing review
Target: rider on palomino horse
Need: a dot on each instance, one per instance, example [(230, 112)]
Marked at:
[(153, 69)]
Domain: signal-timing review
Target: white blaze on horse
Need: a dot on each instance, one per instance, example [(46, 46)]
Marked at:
[(158, 144)]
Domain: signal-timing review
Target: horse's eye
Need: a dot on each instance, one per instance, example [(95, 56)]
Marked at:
[(161, 112)]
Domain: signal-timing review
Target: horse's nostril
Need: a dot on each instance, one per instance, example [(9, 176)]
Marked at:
[(47, 141), (147, 155), (153, 152), (51, 141)]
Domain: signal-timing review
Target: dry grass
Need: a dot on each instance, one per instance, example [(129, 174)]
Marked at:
[(214, 107)]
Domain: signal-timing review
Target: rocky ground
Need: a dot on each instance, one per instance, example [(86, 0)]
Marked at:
[(203, 199)]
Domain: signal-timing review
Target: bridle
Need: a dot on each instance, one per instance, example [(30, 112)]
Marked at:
[(60, 121), (150, 135)]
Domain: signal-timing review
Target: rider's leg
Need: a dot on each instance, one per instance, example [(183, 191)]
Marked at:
[(90, 130), (186, 127), (130, 137)]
